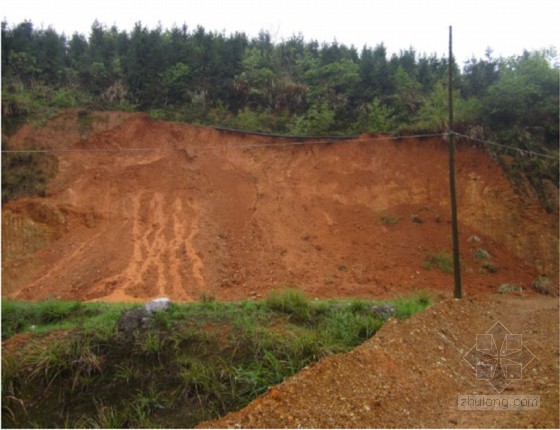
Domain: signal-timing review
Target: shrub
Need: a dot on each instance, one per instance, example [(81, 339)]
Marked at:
[(254, 120), (64, 98), (509, 288), (374, 117), (481, 254), (26, 173), (489, 268), (443, 260), (389, 219), (544, 285), (318, 119)]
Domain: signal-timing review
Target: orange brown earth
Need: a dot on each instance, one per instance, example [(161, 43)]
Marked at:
[(213, 213), (412, 372)]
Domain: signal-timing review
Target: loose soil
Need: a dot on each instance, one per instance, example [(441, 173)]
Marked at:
[(201, 212), (411, 373)]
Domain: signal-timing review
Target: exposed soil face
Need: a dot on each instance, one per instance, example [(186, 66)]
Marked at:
[(213, 213), (233, 216), (411, 373)]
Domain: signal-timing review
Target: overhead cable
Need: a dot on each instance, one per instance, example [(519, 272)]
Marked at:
[(501, 145), (300, 141), (306, 141)]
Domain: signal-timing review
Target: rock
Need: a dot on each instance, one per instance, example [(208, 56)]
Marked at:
[(383, 311), (135, 319), (157, 305)]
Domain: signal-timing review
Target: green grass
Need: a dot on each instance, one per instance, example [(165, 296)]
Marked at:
[(291, 302), (43, 317), (198, 361), (405, 307)]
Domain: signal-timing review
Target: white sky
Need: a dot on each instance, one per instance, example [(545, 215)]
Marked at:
[(506, 26)]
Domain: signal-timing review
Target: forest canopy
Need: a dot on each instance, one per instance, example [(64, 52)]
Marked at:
[(293, 86)]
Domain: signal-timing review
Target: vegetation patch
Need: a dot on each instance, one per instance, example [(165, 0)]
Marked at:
[(510, 288), (26, 173), (481, 254), (193, 362), (389, 219), (488, 268), (544, 285), (443, 260)]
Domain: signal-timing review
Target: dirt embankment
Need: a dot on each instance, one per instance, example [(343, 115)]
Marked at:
[(204, 212), (412, 372)]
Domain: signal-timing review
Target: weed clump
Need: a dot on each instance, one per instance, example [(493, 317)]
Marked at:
[(443, 260), (510, 288), (488, 268), (544, 285), (389, 219), (291, 301), (481, 254)]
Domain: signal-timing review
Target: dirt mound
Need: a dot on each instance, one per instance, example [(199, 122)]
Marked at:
[(411, 373), (155, 208)]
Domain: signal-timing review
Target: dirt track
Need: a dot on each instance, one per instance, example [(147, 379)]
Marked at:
[(200, 215), (410, 374)]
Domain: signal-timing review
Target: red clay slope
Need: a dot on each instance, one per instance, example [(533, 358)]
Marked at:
[(200, 215)]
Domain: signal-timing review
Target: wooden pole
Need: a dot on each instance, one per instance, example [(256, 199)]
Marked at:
[(454, 227)]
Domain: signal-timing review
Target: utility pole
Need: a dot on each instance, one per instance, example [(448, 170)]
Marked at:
[(454, 227)]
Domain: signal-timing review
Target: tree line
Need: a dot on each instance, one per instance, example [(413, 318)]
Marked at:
[(293, 86)]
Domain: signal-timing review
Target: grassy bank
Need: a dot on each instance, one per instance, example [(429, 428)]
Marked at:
[(72, 366)]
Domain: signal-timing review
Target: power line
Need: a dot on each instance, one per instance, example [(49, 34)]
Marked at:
[(284, 136), (34, 151), (501, 145), (312, 141), (327, 141)]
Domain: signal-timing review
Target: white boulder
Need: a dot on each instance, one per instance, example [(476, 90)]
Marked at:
[(157, 305)]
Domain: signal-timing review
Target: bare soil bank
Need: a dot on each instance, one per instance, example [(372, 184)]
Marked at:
[(213, 213)]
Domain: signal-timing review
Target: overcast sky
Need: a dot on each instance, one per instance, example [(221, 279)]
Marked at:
[(506, 26)]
